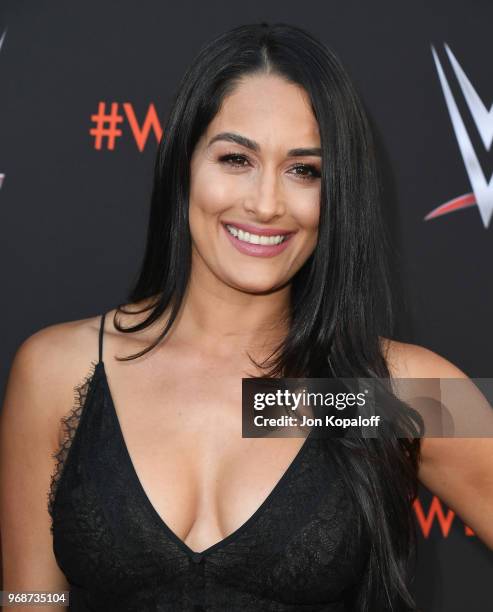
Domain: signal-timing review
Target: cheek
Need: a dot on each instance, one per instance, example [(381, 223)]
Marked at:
[(307, 211), (209, 192)]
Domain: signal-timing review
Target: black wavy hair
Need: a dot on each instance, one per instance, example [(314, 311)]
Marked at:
[(341, 299)]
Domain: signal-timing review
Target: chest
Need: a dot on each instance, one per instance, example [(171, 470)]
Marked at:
[(182, 435)]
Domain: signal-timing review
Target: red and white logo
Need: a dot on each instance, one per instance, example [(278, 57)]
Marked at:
[(482, 190)]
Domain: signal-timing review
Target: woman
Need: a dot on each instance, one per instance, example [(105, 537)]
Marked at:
[(160, 503)]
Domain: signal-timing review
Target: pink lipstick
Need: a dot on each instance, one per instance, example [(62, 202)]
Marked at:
[(258, 250)]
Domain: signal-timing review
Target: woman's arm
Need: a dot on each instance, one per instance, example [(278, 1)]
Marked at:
[(28, 437), (458, 470)]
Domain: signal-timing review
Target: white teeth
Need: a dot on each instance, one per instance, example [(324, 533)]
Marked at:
[(255, 238)]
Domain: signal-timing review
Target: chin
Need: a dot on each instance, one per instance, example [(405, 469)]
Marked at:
[(255, 285)]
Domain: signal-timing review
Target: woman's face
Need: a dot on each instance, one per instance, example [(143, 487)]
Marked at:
[(249, 169)]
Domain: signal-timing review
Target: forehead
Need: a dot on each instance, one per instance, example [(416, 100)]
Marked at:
[(269, 109)]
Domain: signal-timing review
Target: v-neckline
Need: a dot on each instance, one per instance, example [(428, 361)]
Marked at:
[(193, 554)]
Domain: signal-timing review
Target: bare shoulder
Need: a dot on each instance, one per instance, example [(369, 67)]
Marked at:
[(58, 343), (456, 469), (44, 373), (411, 361), (58, 357), (55, 350), (406, 360), (46, 367), (63, 352)]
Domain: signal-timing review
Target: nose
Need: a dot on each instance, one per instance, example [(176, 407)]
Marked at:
[(265, 201)]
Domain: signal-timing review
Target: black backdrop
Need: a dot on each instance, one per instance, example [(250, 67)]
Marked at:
[(73, 216)]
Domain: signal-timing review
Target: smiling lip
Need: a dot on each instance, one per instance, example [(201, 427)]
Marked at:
[(265, 231), (258, 250)]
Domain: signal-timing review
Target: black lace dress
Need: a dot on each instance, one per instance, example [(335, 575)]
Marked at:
[(303, 549)]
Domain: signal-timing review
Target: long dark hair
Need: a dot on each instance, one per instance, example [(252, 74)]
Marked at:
[(341, 299)]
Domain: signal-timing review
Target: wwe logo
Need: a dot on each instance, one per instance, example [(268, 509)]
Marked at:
[(2, 176), (482, 194)]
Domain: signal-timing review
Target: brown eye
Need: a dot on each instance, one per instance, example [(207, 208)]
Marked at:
[(306, 172), (313, 173), (233, 159)]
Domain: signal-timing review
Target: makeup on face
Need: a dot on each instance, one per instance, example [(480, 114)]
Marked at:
[(252, 239), (256, 182), (259, 243)]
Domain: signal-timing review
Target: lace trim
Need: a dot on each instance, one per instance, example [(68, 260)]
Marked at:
[(68, 427)]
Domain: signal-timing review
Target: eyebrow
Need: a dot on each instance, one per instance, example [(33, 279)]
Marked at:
[(254, 146)]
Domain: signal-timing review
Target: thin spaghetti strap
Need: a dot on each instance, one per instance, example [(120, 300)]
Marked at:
[(101, 330), (69, 425)]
